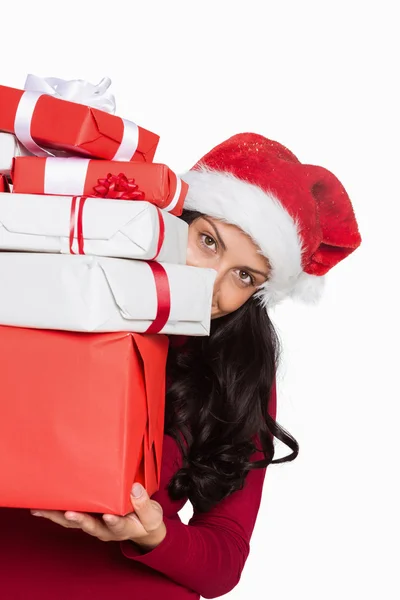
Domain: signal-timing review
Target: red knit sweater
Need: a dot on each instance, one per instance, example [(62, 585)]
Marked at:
[(40, 560)]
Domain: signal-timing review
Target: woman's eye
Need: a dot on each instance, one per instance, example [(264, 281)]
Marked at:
[(246, 278), (208, 241)]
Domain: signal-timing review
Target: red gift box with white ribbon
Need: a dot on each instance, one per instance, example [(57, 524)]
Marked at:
[(41, 121), (155, 183)]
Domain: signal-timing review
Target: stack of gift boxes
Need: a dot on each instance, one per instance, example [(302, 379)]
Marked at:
[(92, 276)]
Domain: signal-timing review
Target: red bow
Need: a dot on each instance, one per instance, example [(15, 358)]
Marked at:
[(118, 187)]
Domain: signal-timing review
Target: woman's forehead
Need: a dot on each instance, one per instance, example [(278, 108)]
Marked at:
[(238, 243)]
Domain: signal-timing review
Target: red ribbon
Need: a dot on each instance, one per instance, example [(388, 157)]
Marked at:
[(79, 225), (118, 187), (161, 233), (163, 297)]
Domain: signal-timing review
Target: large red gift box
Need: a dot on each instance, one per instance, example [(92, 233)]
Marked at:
[(155, 183), (81, 418), (77, 128)]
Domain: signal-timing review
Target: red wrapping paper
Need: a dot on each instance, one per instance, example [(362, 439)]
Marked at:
[(158, 184), (4, 187), (81, 418), (73, 127)]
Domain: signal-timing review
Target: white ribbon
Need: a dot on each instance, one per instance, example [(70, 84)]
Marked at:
[(129, 143), (170, 207), (75, 90), (65, 176), (22, 123)]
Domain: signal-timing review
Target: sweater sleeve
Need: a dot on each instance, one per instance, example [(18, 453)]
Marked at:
[(208, 554)]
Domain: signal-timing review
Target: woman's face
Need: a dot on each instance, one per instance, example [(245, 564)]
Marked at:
[(240, 267)]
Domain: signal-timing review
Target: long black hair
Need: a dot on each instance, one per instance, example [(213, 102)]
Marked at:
[(217, 404)]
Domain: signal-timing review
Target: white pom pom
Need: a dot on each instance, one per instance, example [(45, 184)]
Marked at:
[(308, 288)]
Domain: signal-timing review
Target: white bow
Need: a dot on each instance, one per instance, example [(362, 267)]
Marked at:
[(75, 90)]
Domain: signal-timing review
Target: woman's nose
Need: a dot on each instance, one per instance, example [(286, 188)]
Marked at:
[(217, 285), (218, 279)]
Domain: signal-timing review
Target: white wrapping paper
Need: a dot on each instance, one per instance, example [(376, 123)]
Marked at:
[(95, 294), (116, 228), (9, 147)]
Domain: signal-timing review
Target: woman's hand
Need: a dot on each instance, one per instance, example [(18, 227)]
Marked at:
[(144, 526)]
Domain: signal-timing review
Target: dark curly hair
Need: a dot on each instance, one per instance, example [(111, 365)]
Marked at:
[(217, 404)]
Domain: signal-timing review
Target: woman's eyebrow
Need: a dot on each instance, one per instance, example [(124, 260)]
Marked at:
[(217, 234), (256, 271)]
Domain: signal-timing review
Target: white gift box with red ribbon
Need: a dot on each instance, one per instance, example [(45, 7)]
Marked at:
[(79, 225), (97, 294)]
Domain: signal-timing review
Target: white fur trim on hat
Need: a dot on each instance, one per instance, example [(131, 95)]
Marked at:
[(259, 214)]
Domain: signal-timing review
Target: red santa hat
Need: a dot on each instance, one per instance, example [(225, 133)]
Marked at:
[(300, 216)]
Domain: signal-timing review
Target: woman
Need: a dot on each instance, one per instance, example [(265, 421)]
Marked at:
[(271, 227)]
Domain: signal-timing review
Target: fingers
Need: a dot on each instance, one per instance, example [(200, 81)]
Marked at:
[(147, 519), (146, 523), (149, 512), (56, 516), (112, 528), (75, 520), (125, 528), (90, 525)]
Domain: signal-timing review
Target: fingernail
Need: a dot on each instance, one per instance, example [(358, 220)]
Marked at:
[(35, 513), (137, 490), (112, 519)]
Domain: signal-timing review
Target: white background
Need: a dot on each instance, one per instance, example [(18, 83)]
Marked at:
[(320, 77)]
